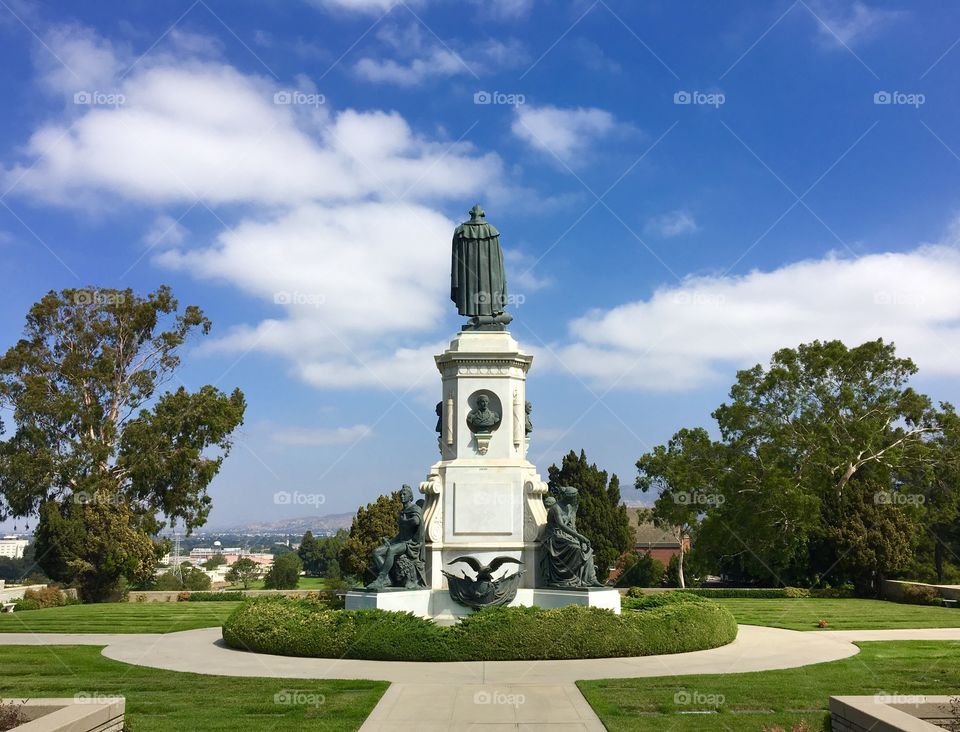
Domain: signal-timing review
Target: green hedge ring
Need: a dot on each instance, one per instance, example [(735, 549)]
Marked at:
[(672, 623)]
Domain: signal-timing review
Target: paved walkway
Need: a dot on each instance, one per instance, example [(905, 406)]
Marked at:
[(487, 695)]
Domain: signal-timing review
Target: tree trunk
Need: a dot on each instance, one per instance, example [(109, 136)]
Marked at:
[(938, 559)]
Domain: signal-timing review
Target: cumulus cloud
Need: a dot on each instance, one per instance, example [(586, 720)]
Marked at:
[(840, 25), (561, 132), (165, 231), (419, 56), (697, 332), (340, 234), (671, 224)]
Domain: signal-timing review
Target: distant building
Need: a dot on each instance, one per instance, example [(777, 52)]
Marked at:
[(661, 544), (199, 555), (12, 546)]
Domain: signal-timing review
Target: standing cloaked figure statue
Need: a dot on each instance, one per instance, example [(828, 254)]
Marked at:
[(478, 284)]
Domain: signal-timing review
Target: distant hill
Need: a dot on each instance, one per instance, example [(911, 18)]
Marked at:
[(329, 522)]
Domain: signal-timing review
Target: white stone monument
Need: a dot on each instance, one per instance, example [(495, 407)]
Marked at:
[(483, 498)]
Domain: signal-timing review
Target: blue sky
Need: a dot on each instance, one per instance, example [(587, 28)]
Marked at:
[(681, 187)]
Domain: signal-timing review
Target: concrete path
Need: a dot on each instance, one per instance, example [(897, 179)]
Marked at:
[(755, 649), (487, 695)]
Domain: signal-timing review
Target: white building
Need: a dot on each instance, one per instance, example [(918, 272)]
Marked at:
[(12, 547)]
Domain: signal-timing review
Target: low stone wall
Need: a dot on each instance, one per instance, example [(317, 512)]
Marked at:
[(893, 590), (15, 592), (76, 714), (171, 595), (890, 714)]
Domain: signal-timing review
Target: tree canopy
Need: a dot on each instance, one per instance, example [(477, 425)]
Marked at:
[(92, 428), (821, 473)]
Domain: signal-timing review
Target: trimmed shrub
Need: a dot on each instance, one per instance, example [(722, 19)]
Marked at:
[(670, 623), (748, 592), (209, 596), (833, 592), (921, 595), (46, 597), (25, 603)]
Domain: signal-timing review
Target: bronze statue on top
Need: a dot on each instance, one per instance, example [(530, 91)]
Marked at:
[(478, 284)]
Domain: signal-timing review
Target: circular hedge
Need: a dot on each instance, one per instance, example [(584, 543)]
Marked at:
[(664, 623)]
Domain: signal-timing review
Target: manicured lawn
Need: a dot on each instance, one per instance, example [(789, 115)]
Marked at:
[(118, 617), (753, 701), (846, 614), (164, 700)]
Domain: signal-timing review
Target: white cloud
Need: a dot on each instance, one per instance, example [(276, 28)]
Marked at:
[(358, 6), (322, 436), (216, 135), (420, 56), (339, 234), (358, 284), (672, 224), (562, 132), (165, 231), (521, 276), (76, 59), (841, 25), (439, 62), (698, 332)]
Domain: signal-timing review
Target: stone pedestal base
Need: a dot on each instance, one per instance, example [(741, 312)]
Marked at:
[(438, 605)]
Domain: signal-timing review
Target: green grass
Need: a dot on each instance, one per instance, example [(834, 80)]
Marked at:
[(841, 614), (118, 617), (164, 700), (752, 701)]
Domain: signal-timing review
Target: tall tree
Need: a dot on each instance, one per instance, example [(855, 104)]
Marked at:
[(245, 571), (284, 573), (372, 523), (803, 443), (92, 429), (601, 515)]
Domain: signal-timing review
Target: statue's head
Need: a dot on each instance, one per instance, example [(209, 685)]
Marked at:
[(439, 408), (528, 407), (483, 401), (477, 212), (569, 493), (406, 493), (549, 501)]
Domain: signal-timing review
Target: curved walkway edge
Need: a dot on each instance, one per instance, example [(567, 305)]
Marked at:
[(202, 651), (507, 695)]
